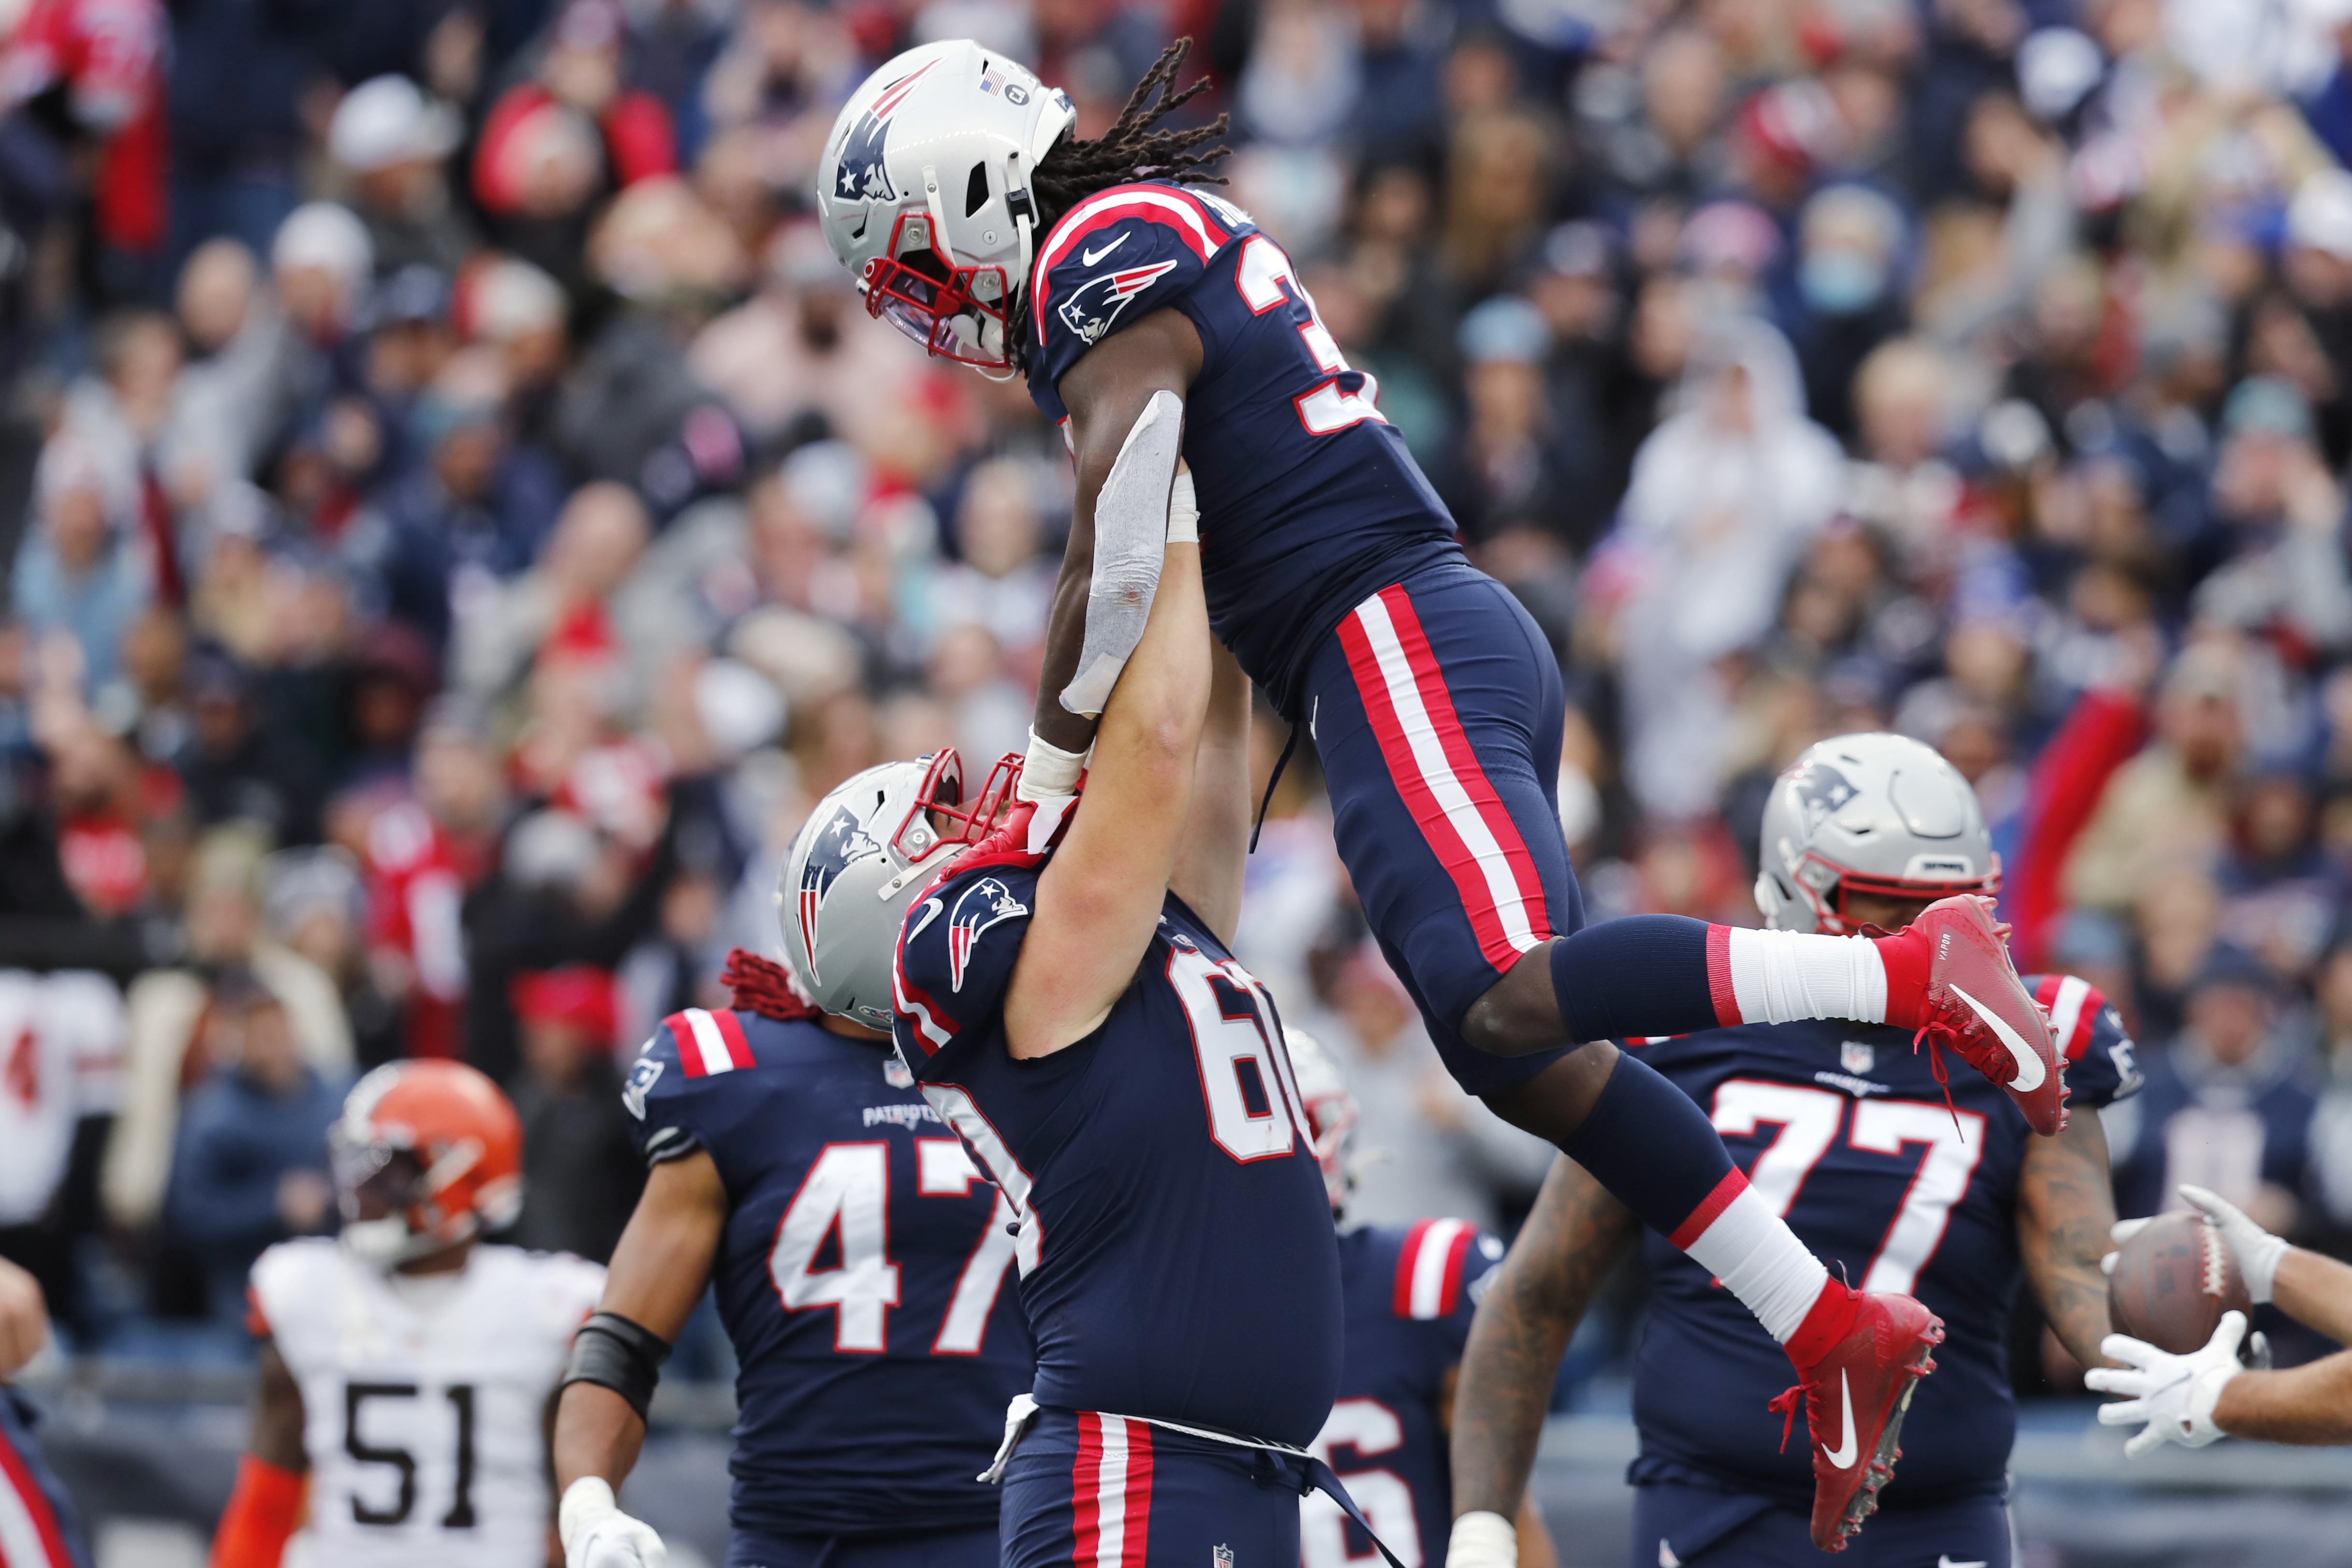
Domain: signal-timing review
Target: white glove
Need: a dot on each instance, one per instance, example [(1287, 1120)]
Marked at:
[(2174, 1395), (2258, 1251), (1484, 1540), (597, 1534), (1048, 771)]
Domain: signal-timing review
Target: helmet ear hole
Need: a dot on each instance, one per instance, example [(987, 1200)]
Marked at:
[(975, 190)]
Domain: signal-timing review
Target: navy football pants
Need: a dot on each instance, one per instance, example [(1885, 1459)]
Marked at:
[(939, 1549), (1437, 706), (1108, 1492), (1703, 1528)]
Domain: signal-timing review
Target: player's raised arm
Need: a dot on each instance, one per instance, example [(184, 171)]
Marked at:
[(658, 1269), (1214, 854), (2065, 1207), (1098, 900), (1573, 1236), (1126, 398)]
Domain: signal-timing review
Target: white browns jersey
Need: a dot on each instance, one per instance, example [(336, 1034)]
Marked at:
[(60, 1056), (425, 1401)]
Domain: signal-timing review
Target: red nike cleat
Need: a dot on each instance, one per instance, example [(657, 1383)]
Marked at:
[(1975, 1004), (1855, 1396)]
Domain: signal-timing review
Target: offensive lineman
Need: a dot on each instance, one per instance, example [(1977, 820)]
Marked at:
[(1849, 1135), (1079, 1021), (407, 1366), (860, 1262), (1409, 1295), (1159, 324)]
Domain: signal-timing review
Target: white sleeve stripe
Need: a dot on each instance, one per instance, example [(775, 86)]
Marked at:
[(2067, 1009), (1429, 1265), (707, 1040)]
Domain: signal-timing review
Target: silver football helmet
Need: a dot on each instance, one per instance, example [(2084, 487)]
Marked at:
[(924, 193), (857, 863), (1330, 1110), (1868, 813)]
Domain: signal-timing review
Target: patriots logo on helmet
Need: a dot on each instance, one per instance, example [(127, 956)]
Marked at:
[(985, 903), (860, 172), (1095, 304), (841, 842), (1822, 792)]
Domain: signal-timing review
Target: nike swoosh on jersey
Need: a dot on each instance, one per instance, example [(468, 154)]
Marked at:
[(931, 907), (2029, 1065), (1088, 257), (1944, 1562), (1843, 1455)]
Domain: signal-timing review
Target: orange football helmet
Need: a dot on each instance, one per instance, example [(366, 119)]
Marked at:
[(427, 1154)]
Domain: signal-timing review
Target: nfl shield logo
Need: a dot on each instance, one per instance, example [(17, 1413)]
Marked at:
[(1221, 1557), (895, 1073), (1855, 1057)]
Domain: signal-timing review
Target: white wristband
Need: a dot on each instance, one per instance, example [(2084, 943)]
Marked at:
[(1183, 511), (585, 1501), (1482, 1540), (1047, 769)]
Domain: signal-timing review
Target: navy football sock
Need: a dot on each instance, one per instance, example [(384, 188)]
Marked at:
[(1644, 975), (1652, 1146)]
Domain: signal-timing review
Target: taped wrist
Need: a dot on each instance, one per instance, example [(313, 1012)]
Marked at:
[(1047, 769), (1484, 1540), (1183, 510), (1130, 541), (612, 1352)]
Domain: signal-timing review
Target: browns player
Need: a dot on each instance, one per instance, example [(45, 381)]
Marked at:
[(407, 1366)]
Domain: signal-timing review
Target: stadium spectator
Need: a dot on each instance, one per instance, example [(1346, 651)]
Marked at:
[(251, 1165), (581, 1172)]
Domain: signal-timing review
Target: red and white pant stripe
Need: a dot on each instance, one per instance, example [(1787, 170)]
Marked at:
[(1452, 800), (29, 1533), (1111, 1489)]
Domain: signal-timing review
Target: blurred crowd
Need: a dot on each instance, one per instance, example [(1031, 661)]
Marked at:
[(458, 518)]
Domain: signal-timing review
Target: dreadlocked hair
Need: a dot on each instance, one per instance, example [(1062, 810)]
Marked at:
[(1072, 170), (764, 987)]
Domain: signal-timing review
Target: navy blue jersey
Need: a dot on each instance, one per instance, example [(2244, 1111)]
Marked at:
[(1844, 1132), (860, 1275), (1410, 1296), (1178, 1259), (1309, 501)]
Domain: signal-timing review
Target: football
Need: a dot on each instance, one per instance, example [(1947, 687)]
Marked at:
[(2173, 1282)]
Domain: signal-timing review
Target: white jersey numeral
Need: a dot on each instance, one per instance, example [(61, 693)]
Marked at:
[(1808, 1120), (846, 1194), (1263, 275), (1370, 1427), (1244, 1073)]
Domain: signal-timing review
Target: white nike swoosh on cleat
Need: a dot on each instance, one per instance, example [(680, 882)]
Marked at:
[(1944, 1562), (2029, 1064), (1844, 1454), (1087, 258)]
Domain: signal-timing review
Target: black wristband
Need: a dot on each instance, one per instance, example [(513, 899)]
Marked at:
[(612, 1352)]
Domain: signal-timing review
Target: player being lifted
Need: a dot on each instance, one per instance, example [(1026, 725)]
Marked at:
[(1408, 1296), (1848, 1136), (860, 1260), (407, 1367), (1158, 322)]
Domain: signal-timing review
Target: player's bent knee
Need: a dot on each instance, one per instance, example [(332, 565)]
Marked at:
[(1517, 1014)]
